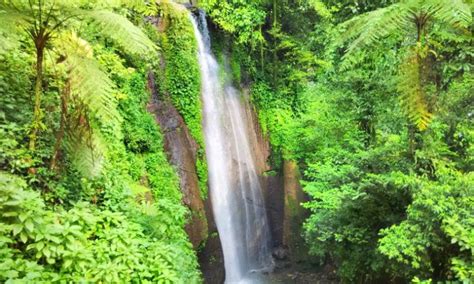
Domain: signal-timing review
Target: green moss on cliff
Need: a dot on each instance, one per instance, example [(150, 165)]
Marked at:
[(181, 81)]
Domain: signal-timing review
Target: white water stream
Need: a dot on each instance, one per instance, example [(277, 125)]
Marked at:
[(235, 190)]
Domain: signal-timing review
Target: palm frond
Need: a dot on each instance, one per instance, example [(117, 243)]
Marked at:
[(84, 147), (412, 95), (92, 93), (370, 27), (130, 37), (10, 21), (89, 84), (455, 13)]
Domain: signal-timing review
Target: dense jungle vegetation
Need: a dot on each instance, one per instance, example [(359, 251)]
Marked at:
[(87, 193), (373, 99)]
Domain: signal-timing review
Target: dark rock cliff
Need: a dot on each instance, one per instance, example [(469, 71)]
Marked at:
[(181, 150), (293, 213), (283, 193)]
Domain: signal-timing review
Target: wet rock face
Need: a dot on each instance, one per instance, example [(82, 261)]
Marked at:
[(272, 185), (275, 208), (283, 195), (280, 253), (210, 256), (294, 213), (181, 150)]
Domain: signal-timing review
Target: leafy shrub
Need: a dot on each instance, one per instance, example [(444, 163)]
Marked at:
[(124, 225), (84, 243)]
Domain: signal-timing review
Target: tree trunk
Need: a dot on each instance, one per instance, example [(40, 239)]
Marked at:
[(412, 144), (62, 126), (37, 114), (275, 57), (262, 57)]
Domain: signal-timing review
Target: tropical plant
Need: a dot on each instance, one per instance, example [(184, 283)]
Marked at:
[(437, 235), (412, 21), (88, 244), (50, 25), (244, 19)]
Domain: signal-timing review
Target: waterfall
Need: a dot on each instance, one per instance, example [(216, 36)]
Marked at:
[(235, 191)]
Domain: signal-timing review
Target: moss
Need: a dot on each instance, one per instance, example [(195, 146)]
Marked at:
[(201, 168), (181, 81), (235, 67)]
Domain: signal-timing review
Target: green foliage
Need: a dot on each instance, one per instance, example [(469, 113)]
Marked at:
[(15, 78), (405, 19), (48, 25), (369, 28), (439, 222), (412, 94), (202, 173), (389, 203), (368, 204), (242, 18), (75, 222), (128, 36), (58, 17), (320, 8), (181, 80), (275, 118), (81, 244)]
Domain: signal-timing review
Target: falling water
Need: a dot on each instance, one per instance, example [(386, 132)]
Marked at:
[(235, 190)]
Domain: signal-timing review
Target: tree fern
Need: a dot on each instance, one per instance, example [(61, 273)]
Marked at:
[(122, 31), (85, 147), (89, 84), (92, 87), (369, 28), (405, 18), (46, 19), (455, 13), (91, 92), (412, 93)]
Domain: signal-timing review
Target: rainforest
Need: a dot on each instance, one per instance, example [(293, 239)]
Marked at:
[(236, 141)]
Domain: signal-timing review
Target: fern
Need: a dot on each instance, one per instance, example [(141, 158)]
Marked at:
[(405, 18), (122, 31), (85, 148), (93, 87), (369, 28), (91, 91), (50, 22), (412, 94), (455, 13)]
